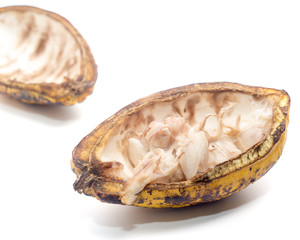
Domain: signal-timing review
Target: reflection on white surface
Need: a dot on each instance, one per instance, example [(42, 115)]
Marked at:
[(44, 114), (123, 219)]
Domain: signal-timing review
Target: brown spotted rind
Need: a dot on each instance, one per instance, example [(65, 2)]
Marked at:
[(66, 93), (216, 183)]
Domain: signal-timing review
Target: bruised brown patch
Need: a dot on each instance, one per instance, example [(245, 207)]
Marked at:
[(42, 44), (176, 108), (190, 108), (27, 29), (135, 121), (150, 118)]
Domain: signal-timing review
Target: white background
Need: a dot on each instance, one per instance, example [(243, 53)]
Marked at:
[(142, 47)]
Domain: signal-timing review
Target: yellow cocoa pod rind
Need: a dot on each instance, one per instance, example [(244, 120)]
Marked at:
[(222, 181), (66, 93)]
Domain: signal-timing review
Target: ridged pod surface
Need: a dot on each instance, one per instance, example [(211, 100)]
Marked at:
[(222, 180), (43, 58)]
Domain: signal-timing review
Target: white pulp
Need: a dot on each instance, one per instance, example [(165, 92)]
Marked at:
[(176, 145), (35, 48)]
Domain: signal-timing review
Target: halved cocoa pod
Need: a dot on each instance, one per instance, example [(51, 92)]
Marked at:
[(183, 146), (43, 58)]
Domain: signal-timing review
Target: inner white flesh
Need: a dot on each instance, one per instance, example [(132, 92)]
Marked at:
[(174, 141), (35, 48)]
